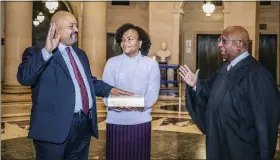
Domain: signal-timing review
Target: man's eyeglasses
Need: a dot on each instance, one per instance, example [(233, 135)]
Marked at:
[(225, 41)]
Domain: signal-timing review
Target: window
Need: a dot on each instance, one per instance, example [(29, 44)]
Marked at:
[(265, 3), (120, 3), (216, 3), (263, 26)]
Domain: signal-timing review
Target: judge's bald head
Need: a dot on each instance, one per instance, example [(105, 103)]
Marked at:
[(233, 42), (237, 33), (67, 26)]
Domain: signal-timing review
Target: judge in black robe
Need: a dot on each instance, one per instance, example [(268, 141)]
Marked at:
[(238, 110)]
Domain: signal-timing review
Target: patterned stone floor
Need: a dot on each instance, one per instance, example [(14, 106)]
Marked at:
[(165, 145), (174, 136)]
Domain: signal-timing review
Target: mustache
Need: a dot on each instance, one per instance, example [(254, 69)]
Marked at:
[(74, 33), (74, 40)]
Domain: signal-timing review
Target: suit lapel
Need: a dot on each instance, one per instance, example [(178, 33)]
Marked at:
[(84, 63), (58, 57)]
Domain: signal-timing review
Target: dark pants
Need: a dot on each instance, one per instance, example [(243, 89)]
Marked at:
[(76, 146)]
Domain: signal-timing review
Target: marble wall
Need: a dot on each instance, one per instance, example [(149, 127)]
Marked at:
[(196, 22), (136, 13), (270, 15), (160, 25)]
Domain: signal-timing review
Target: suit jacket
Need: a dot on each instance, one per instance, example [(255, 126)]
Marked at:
[(53, 93)]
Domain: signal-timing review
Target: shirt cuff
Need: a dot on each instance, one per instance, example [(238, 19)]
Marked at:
[(46, 54)]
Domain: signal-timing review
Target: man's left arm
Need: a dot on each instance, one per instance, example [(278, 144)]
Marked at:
[(265, 102), (152, 93), (102, 89)]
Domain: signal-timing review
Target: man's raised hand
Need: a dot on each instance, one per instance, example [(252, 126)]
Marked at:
[(53, 38)]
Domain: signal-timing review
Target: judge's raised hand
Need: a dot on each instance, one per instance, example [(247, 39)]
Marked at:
[(117, 92), (189, 77), (53, 38)]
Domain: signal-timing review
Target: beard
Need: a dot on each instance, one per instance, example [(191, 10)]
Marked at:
[(74, 37), (224, 56)]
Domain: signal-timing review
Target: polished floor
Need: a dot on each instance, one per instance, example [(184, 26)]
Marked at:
[(165, 145), (174, 136)]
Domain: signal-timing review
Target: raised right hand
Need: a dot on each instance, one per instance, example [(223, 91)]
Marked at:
[(189, 77), (53, 38)]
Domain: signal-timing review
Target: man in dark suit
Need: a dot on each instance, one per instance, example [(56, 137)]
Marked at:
[(63, 115), (238, 108)]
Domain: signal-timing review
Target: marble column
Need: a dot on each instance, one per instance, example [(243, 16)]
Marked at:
[(161, 16), (94, 35), (17, 37), (245, 14), (177, 19), (176, 55)]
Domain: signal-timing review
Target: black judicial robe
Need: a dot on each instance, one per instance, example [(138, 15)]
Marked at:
[(238, 110)]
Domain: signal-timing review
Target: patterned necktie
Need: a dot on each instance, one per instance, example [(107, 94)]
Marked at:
[(80, 80)]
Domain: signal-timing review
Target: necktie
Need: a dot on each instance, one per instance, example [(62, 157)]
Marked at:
[(80, 80)]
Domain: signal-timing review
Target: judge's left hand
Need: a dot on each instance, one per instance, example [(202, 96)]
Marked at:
[(189, 77), (117, 92)]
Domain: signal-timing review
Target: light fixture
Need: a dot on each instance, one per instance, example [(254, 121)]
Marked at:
[(41, 17), (51, 5), (208, 8), (36, 22)]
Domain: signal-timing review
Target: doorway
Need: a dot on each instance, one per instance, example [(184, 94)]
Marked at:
[(208, 57), (268, 52), (113, 49)]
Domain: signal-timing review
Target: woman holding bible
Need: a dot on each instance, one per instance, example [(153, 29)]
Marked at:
[(128, 130)]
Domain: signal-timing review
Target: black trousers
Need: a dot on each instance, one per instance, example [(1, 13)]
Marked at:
[(76, 146)]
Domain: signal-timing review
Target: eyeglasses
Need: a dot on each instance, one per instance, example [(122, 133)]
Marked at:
[(225, 41)]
